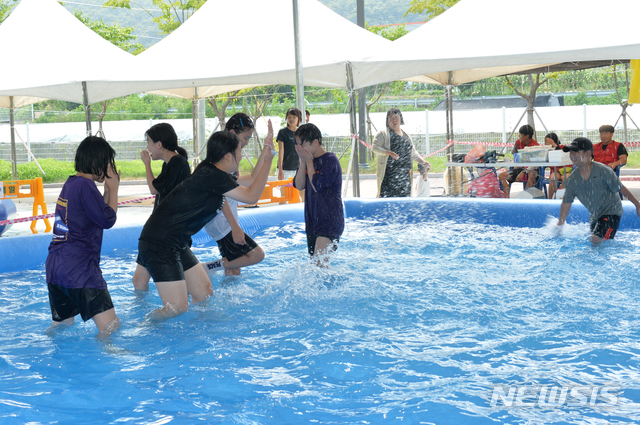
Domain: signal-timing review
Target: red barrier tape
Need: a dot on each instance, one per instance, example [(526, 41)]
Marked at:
[(42, 217), (427, 156), (449, 144)]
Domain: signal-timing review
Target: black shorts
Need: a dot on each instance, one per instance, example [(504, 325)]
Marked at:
[(231, 250), (311, 242), (69, 302), (606, 226), (139, 261), (166, 264), (513, 173)]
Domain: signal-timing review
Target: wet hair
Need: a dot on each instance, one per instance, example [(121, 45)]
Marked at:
[(606, 128), (554, 137), (394, 111), (295, 112), (240, 123), (165, 133), (308, 133), (527, 130), (94, 155), (219, 144)]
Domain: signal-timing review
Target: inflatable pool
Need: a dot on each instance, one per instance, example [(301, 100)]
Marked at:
[(30, 251), (433, 311), (7, 212)]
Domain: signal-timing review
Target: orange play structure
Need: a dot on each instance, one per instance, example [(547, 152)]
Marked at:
[(13, 190), (291, 195)]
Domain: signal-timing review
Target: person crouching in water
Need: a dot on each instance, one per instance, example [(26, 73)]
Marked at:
[(321, 175), (596, 186)]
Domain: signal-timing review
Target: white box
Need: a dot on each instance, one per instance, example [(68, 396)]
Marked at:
[(534, 154), (559, 156)]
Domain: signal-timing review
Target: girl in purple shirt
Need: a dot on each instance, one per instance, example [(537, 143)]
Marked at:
[(74, 278)]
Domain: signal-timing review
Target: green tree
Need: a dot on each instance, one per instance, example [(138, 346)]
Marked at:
[(390, 33), (117, 35), (173, 13), (533, 83), (219, 104), (5, 8), (431, 8), (120, 36)]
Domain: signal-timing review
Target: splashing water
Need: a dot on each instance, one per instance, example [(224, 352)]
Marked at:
[(410, 323)]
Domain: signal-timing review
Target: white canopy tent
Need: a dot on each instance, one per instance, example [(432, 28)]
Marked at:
[(480, 39), (57, 57), (52, 53), (260, 50), (474, 40)]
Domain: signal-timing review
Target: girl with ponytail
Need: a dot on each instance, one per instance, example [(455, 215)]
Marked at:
[(162, 144), (164, 245), (237, 249)]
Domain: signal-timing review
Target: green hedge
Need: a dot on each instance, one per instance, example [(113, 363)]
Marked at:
[(58, 171)]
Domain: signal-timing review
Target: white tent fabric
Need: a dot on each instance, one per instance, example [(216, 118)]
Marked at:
[(479, 39), (49, 53), (258, 48)]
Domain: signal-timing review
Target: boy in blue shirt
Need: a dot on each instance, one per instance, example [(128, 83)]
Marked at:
[(321, 175)]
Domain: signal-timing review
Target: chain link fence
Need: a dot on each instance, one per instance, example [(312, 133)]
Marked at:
[(341, 146), (426, 130)]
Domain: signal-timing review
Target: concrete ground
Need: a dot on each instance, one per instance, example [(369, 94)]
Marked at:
[(138, 212)]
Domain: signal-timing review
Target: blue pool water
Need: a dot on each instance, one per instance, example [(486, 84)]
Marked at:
[(413, 323)]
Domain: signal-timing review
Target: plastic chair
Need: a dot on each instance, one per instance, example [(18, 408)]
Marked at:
[(541, 183), (546, 181)]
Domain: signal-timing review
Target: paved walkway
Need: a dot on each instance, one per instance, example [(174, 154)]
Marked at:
[(137, 213)]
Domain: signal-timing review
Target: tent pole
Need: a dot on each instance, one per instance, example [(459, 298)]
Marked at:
[(450, 105), (623, 114), (449, 153), (202, 124), (354, 137), (362, 102), (541, 122), (87, 109), (298, 55), (516, 126), (624, 123), (446, 115), (194, 119), (634, 123), (14, 159)]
